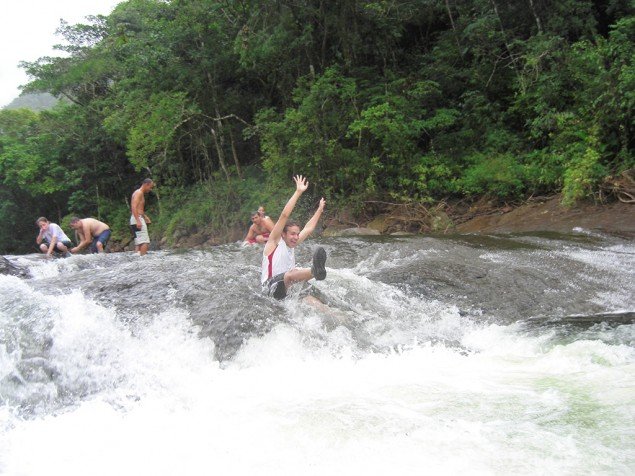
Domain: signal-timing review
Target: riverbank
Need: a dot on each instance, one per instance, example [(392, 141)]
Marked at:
[(484, 216), (487, 216), (549, 215)]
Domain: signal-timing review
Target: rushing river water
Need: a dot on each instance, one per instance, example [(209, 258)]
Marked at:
[(447, 355)]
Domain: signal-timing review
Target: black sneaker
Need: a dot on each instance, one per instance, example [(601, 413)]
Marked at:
[(318, 269)]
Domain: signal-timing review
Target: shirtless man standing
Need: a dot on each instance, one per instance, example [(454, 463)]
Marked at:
[(138, 217), (91, 233)]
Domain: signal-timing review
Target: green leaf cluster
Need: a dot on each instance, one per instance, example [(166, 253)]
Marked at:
[(371, 99)]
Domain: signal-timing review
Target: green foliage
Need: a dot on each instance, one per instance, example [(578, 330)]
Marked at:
[(395, 129), (26, 162), (157, 121), (543, 170), (498, 175), (217, 204), (117, 216), (377, 99), (583, 173), (308, 138), (19, 233), (430, 178)]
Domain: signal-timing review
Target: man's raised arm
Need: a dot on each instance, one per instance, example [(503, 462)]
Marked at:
[(301, 184), (312, 223)]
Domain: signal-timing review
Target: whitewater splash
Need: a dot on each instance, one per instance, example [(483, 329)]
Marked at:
[(491, 355)]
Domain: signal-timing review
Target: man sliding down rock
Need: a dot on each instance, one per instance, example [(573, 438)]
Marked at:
[(278, 258)]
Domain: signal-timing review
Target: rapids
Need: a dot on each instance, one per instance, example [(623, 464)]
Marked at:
[(431, 355)]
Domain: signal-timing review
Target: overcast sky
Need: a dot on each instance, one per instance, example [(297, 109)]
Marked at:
[(27, 32)]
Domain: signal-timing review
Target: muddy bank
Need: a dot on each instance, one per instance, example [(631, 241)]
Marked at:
[(549, 215), (536, 215)]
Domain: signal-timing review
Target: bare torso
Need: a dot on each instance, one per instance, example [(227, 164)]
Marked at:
[(95, 227), (259, 229), (138, 203)]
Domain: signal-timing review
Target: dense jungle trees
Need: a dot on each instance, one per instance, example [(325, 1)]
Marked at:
[(385, 99)]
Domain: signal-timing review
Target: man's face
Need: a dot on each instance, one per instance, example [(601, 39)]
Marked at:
[(44, 225), (148, 187), (256, 219), (77, 225), (291, 236)]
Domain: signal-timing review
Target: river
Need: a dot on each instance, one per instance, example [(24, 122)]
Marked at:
[(461, 354)]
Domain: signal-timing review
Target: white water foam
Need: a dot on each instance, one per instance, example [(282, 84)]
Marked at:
[(160, 404)]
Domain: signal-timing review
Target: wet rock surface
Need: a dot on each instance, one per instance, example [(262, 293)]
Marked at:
[(7, 267)]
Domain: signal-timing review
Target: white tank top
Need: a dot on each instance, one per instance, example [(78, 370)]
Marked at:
[(281, 260)]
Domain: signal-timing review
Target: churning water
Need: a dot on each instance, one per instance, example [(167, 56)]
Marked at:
[(448, 355)]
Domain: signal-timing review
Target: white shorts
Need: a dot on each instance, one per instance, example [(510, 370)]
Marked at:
[(140, 236)]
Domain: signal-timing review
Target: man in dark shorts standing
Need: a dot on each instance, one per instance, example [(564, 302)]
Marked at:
[(278, 258)]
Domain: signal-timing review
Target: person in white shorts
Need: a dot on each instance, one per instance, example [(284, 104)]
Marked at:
[(278, 258), (138, 218)]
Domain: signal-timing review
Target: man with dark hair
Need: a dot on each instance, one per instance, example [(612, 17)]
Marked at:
[(278, 257), (90, 233), (138, 218), (259, 230)]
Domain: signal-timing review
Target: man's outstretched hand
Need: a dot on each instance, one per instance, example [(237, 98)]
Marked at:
[(301, 183)]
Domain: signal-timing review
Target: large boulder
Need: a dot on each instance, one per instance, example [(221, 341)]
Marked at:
[(7, 267)]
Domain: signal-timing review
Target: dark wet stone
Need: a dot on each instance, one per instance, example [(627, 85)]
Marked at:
[(7, 267)]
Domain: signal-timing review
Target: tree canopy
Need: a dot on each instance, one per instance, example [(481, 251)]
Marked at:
[(372, 99)]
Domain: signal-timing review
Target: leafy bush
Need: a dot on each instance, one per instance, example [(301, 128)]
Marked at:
[(583, 174), (219, 205), (500, 175)]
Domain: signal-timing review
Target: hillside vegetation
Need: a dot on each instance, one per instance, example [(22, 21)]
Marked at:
[(220, 102), (33, 101)]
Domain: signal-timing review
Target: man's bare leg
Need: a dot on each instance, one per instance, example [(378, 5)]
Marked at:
[(297, 275)]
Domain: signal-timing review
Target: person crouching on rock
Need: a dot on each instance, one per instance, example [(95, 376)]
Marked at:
[(259, 230), (52, 238), (92, 234), (278, 258)]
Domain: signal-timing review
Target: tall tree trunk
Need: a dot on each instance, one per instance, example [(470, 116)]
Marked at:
[(535, 14), (234, 153), (456, 36), (324, 38), (219, 152), (509, 51), (98, 202), (217, 132), (209, 172)]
